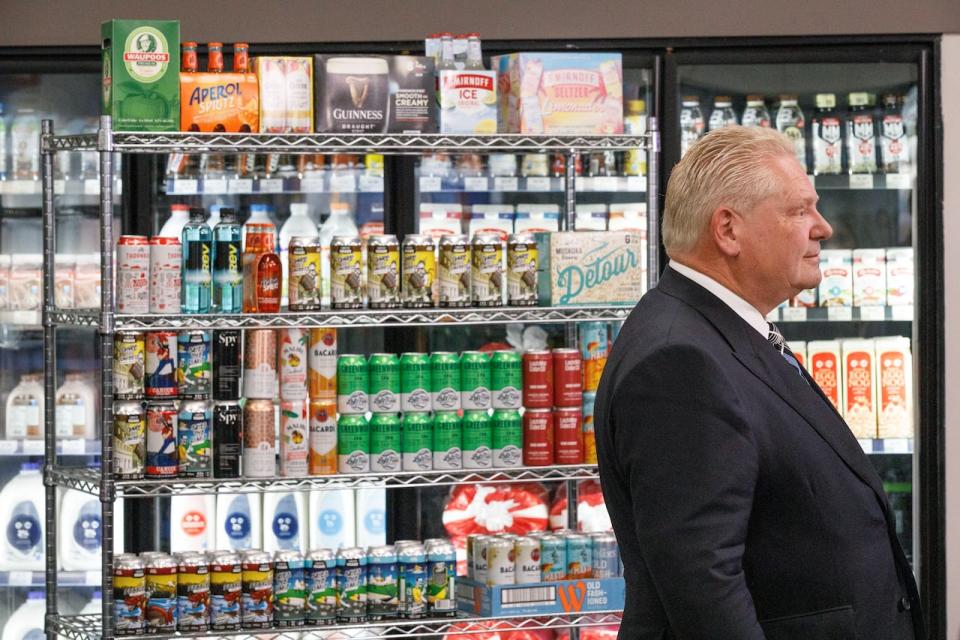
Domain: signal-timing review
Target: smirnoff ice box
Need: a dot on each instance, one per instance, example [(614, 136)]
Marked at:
[(468, 102), (824, 365), (598, 267), (568, 93), (869, 277), (894, 387), (900, 276), (836, 287), (860, 387)]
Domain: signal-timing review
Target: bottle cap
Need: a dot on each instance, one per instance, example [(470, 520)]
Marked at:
[(826, 101), (198, 214), (228, 215)]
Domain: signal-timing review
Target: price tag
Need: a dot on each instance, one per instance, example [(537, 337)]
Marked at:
[(839, 314), (867, 445), (636, 183), (271, 185), (861, 181), (899, 181), (22, 187), (73, 447), (33, 447), (242, 185), (605, 183), (873, 314), (311, 185), (20, 578), (429, 183), (92, 578), (183, 187), (506, 184), (897, 445), (475, 183), (795, 314), (902, 312), (59, 186), (347, 183), (538, 183), (583, 184), (217, 185), (8, 447), (371, 184)]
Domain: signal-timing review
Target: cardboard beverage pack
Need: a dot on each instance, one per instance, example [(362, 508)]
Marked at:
[(894, 387), (860, 388), (589, 267), (869, 277), (286, 93), (836, 287), (900, 276), (468, 102), (823, 364), (228, 102)]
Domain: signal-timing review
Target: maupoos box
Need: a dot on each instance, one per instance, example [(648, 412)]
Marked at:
[(590, 267), (571, 93)]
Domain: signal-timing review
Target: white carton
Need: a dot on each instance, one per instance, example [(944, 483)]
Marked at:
[(823, 363), (591, 217), (869, 277), (440, 219), (371, 514), (894, 387), (900, 281), (836, 287), (860, 387), (799, 349), (533, 218), (491, 218)]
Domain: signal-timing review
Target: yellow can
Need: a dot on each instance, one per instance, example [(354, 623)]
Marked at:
[(304, 284), (419, 271), (487, 274), (346, 272), (383, 272), (522, 264), (454, 271)]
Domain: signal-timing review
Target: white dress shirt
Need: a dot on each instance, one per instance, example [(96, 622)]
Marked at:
[(750, 314)]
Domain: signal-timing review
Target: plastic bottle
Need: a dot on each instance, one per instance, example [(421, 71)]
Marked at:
[(332, 519), (26, 623), (285, 521), (827, 134), (861, 134), (227, 264), (894, 140), (25, 408), (239, 522), (80, 531), (338, 223), (259, 214), (192, 523), (298, 224), (21, 516), (214, 218), (723, 114), (755, 114), (25, 145), (173, 227), (791, 123), (197, 264), (76, 407), (691, 123)]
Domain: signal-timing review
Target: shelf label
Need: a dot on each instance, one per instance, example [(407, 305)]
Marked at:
[(91, 186), (184, 187), (795, 314), (873, 314), (505, 184), (839, 314), (8, 447), (241, 185), (371, 184), (538, 183), (22, 187), (344, 182), (20, 578), (902, 312), (605, 183), (899, 181), (429, 183), (73, 447), (897, 445), (861, 181), (311, 185), (475, 183), (866, 444), (581, 183), (33, 447), (636, 183), (271, 185), (217, 185)]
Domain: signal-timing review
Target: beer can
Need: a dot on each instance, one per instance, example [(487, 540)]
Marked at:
[(567, 378), (346, 273), (605, 554), (257, 590), (413, 581), (260, 364), (579, 556), (538, 379), (129, 440), (553, 558), (351, 585), (160, 583), (193, 593), (166, 256), (474, 381), (417, 442), (415, 382), (227, 364), (507, 438), (384, 392), (469, 543), (522, 264), (382, 583), (447, 440), (592, 340), (454, 271), (194, 367), (294, 438), (538, 437), (418, 271), (353, 444), (321, 587), (568, 435), (527, 560), (259, 429), (293, 363), (194, 438), (323, 437), (383, 271), (589, 435), (227, 438), (129, 595), (226, 590), (477, 440), (385, 442), (444, 381), (161, 440), (128, 365), (353, 381), (133, 275), (441, 579), (304, 280), (160, 362), (506, 379), (486, 276), (322, 364), (501, 562), (289, 589), (479, 556)]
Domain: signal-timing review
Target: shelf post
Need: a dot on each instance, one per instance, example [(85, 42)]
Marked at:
[(653, 203), (567, 222)]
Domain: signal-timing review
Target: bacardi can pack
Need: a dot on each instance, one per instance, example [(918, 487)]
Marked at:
[(322, 364)]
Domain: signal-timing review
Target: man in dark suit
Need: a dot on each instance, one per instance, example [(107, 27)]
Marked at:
[(744, 507)]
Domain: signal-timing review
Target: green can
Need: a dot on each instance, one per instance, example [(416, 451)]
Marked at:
[(417, 442), (477, 440), (447, 440), (385, 442), (353, 444), (474, 381), (415, 382), (445, 381), (506, 379), (384, 391), (353, 382), (507, 427)]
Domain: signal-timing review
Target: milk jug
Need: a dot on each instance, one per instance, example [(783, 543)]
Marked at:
[(239, 522), (26, 623), (79, 533), (21, 516), (191, 523), (332, 519), (284, 521)]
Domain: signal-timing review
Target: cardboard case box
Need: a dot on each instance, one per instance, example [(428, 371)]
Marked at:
[(590, 267), (541, 598), (228, 102)]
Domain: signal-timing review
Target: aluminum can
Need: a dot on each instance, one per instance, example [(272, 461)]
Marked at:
[(567, 378), (527, 560), (133, 275), (294, 438), (166, 256), (593, 343), (479, 558), (413, 581), (129, 440), (259, 429), (194, 366), (506, 379), (193, 593), (605, 555), (289, 589), (382, 583), (160, 364), (304, 280), (568, 435), (129, 595), (161, 440), (418, 271), (194, 439), (322, 364), (353, 444), (507, 436), (293, 363), (417, 442), (161, 589), (383, 271), (384, 391), (227, 438), (257, 590), (415, 382), (441, 579), (501, 562), (323, 437), (522, 264), (486, 276), (579, 556), (351, 585), (385, 442), (346, 272), (447, 440), (538, 379), (477, 440), (260, 364), (538, 438), (589, 435), (128, 365), (553, 558), (227, 364), (444, 381), (353, 381), (321, 587), (226, 590), (474, 381), (454, 271)]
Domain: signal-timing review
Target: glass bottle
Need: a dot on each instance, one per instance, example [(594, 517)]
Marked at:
[(474, 53)]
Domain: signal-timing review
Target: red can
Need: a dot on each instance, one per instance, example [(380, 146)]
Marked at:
[(567, 378), (537, 380), (568, 435), (538, 437)]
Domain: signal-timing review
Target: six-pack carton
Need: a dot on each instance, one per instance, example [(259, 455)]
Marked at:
[(468, 102), (286, 93), (590, 267), (228, 102)]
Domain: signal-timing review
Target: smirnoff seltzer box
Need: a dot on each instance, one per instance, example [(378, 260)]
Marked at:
[(141, 74)]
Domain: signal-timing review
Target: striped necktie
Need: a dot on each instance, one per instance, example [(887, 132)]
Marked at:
[(775, 338)]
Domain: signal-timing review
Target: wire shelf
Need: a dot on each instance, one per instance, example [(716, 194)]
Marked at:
[(74, 317)]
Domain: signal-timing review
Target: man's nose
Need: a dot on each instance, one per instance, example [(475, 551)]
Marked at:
[(821, 229)]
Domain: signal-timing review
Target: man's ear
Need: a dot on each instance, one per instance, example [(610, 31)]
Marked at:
[(725, 231)]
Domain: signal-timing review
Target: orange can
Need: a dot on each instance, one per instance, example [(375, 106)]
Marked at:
[(322, 364), (323, 437)]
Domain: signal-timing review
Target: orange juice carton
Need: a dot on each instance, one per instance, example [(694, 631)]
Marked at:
[(869, 277), (228, 102), (860, 387), (286, 93), (468, 102), (836, 287), (900, 281), (894, 387), (823, 364)]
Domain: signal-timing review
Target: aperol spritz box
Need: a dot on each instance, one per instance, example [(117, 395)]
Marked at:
[(227, 102), (141, 74)]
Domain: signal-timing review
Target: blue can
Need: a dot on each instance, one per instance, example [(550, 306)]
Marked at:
[(321, 568), (441, 577), (382, 583), (194, 366), (606, 555), (579, 556), (553, 558), (413, 581), (289, 589), (589, 430), (615, 330), (351, 585)]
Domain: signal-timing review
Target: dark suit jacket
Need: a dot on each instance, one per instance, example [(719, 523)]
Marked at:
[(743, 505)]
